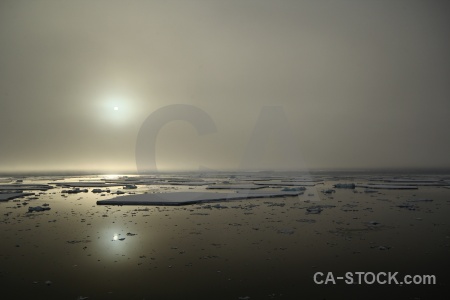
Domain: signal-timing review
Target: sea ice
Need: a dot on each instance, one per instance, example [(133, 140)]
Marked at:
[(22, 187), (420, 200), (130, 187), (9, 196), (100, 191), (407, 206), (235, 186), (314, 210), (388, 186), (345, 185), (74, 191), (188, 183), (86, 184), (285, 183), (328, 191), (184, 198), (38, 208), (295, 189)]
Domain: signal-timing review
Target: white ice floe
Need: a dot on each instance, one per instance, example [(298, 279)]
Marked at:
[(130, 187), (74, 191), (415, 181), (420, 200), (388, 186), (286, 231), (295, 189), (188, 183), (407, 206), (38, 208), (328, 191), (101, 191), (345, 185), (86, 184), (184, 198), (285, 183), (22, 187), (235, 187), (10, 196), (314, 210), (317, 209)]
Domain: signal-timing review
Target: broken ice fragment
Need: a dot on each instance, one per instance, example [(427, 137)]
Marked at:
[(38, 208), (328, 191), (9, 196), (345, 185), (382, 248), (130, 186), (286, 231), (420, 200), (306, 220), (388, 186), (293, 189), (100, 191), (314, 210), (407, 206), (234, 186), (185, 198)]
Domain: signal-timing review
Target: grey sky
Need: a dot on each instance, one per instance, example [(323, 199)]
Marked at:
[(362, 83)]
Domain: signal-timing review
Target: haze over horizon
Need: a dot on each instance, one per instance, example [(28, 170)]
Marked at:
[(287, 84)]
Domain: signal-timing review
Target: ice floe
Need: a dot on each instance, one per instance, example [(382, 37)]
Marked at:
[(285, 183), (101, 191), (10, 196), (74, 191), (388, 186), (235, 187), (345, 185), (86, 184), (184, 198), (38, 208), (22, 187)]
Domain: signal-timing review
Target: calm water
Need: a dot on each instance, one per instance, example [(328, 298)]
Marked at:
[(259, 248)]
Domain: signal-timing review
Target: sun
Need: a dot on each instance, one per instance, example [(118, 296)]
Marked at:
[(116, 108)]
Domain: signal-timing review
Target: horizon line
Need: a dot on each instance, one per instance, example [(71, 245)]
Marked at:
[(74, 172)]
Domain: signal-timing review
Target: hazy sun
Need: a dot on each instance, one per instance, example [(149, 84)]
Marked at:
[(116, 108)]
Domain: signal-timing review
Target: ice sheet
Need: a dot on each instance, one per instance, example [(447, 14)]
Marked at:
[(285, 183), (86, 184), (10, 196), (235, 186), (388, 186), (17, 187), (184, 198)]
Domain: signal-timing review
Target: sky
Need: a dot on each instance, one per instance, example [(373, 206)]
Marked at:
[(269, 85)]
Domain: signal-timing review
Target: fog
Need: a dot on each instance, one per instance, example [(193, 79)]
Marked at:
[(344, 84)]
